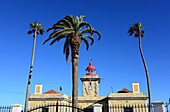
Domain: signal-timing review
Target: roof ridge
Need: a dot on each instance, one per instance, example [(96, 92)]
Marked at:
[(51, 91)]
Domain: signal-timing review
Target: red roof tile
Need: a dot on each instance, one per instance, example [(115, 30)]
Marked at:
[(124, 90), (51, 92), (91, 67)]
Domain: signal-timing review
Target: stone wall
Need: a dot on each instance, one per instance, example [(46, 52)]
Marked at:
[(122, 100), (44, 99), (112, 100)]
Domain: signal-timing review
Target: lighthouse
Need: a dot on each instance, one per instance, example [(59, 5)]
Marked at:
[(90, 82)]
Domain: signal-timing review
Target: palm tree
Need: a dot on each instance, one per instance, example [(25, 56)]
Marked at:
[(138, 32), (36, 29), (74, 30)]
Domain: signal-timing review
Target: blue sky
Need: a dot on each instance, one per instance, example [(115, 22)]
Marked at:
[(116, 56)]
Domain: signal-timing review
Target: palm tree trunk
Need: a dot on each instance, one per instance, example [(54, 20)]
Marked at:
[(75, 82), (75, 45), (147, 75), (30, 74)]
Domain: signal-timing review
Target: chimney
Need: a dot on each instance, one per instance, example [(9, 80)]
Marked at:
[(135, 87), (38, 89)]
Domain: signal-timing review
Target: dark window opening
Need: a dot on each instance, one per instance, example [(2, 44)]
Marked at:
[(45, 109), (90, 86), (88, 110), (128, 109)]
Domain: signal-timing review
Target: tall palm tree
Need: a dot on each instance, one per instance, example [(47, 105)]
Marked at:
[(36, 29), (74, 30), (138, 32)]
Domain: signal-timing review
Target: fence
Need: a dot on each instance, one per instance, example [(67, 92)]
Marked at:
[(5, 108), (68, 108), (56, 107), (128, 108)]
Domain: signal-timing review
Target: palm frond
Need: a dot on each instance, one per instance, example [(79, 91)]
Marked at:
[(70, 19), (36, 28), (66, 44), (72, 27), (136, 25), (46, 40), (56, 27), (131, 29), (86, 42), (57, 39), (131, 32), (89, 37), (29, 32), (67, 54), (41, 31), (87, 30), (52, 28), (82, 17), (76, 24), (94, 31), (137, 34), (61, 32), (137, 30), (76, 19), (82, 24), (64, 22), (66, 49), (142, 33), (32, 25), (61, 26)]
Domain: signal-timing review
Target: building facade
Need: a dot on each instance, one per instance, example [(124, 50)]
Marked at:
[(122, 101)]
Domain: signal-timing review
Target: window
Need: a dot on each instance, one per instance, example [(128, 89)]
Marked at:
[(88, 110), (45, 109), (128, 109), (90, 86)]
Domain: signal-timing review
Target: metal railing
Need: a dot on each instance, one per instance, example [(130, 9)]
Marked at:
[(128, 108), (55, 107), (5, 108)]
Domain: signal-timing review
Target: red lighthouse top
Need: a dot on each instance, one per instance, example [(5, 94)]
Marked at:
[(90, 69)]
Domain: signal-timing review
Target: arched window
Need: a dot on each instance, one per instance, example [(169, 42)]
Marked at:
[(90, 86)]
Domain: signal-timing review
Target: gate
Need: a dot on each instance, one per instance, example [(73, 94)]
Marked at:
[(55, 108)]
